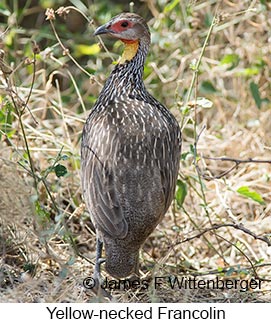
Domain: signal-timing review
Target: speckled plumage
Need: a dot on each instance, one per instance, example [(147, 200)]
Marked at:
[(130, 153)]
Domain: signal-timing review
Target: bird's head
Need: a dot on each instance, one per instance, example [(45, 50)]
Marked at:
[(131, 29)]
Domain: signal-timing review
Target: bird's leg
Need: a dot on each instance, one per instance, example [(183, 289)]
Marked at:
[(99, 260), (135, 276), (97, 271)]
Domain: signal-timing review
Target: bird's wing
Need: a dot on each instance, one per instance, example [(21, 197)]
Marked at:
[(161, 140), (98, 179), (166, 149)]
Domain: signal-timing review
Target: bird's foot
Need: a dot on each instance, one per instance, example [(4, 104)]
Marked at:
[(99, 290)]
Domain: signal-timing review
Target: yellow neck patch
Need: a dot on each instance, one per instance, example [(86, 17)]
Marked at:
[(129, 52)]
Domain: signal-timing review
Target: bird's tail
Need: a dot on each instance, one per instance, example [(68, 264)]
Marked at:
[(121, 261)]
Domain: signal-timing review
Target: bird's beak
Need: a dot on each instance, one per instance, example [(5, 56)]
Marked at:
[(102, 30)]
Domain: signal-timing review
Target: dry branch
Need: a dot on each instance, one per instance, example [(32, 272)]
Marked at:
[(236, 162), (233, 225)]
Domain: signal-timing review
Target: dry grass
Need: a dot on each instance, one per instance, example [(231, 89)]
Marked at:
[(42, 235)]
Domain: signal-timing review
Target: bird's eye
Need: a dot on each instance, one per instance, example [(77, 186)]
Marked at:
[(124, 24)]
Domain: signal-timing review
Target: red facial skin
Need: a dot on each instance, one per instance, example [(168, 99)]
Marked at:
[(121, 26)]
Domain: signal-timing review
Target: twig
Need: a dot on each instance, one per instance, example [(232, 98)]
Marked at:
[(218, 226), (240, 161), (66, 10), (77, 91), (34, 48), (196, 68), (225, 270), (243, 253), (236, 162), (194, 85), (67, 53), (19, 115)]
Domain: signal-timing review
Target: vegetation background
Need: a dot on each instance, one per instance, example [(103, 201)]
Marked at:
[(210, 64)]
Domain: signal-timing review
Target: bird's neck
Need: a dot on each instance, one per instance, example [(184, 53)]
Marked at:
[(130, 51), (127, 76)]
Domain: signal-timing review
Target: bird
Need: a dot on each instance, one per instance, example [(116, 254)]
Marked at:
[(130, 154)]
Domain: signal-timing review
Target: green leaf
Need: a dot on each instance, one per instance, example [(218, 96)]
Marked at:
[(192, 149), (230, 271), (254, 89), (232, 59), (208, 18), (9, 38), (64, 157), (245, 191), (63, 273), (29, 267), (181, 192), (6, 119), (169, 7), (185, 154), (71, 261), (4, 10), (43, 215), (60, 170), (176, 228), (193, 64), (207, 87), (259, 261), (250, 71)]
